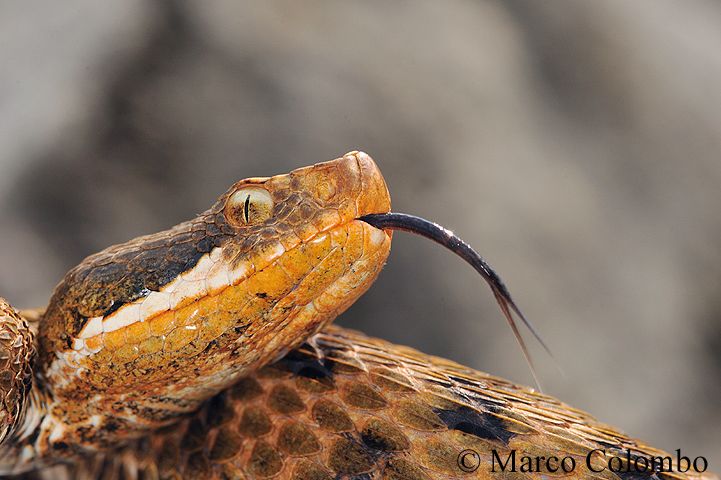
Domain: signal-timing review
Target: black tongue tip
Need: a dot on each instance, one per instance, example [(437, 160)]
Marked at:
[(445, 237)]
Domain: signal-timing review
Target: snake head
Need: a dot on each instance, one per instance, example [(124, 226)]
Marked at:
[(146, 330)]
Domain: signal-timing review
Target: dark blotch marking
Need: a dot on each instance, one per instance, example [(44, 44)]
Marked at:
[(33, 436), (331, 417), (441, 383), (168, 457), (381, 435), (307, 470), (345, 366), (463, 381), (227, 445), (273, 371), (194, 438), (634, 475), (638, 475), (286, 400), (400, 469), (349, 457), (417, 415), (246, 389), (314, 380), (482, 425), (254, 422), (60, 446), (363, 396), (301, 362), (297, 440), (391, 380), (112, 425), (313, 373), (265, 460), (198, 466), (220, 410), (239, 329)]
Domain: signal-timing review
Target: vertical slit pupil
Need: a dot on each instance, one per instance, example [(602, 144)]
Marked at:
[(246, 209)]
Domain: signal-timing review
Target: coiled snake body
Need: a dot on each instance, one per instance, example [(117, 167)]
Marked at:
[(154, 359)]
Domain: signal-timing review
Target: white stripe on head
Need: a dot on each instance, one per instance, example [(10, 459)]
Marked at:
[(208, 277)]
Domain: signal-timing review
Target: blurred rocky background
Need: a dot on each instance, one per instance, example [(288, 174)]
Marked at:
[(574, 144)]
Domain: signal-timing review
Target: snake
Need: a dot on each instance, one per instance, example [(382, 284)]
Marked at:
[(207, 351)]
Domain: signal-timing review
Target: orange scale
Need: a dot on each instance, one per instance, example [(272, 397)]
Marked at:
[(264, 254), (150, 345), (253, 309), (305, 231), (326, 272), (289, 240), (327, 302), (98, 360), (354, 246), (233, 299), (271, 282), (95, 343), (184, 302), (162, 324), (126, 354), (179, 338), (115, 339), (215, 326), (299, 261), (327, 219), (196, 311), (137, 332)]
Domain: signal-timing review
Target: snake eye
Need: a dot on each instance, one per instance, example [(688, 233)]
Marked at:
[(249, 206)]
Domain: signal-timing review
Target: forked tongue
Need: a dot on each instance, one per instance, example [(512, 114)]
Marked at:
[(443, 236)]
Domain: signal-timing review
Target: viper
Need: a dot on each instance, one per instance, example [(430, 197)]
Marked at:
[(206, 351)]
